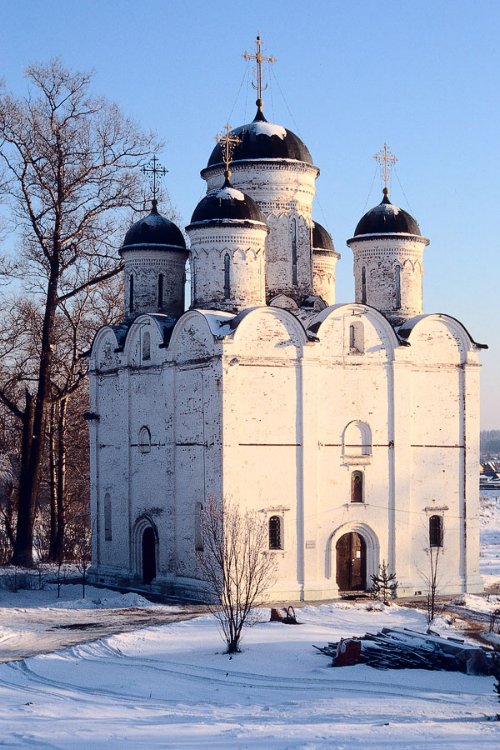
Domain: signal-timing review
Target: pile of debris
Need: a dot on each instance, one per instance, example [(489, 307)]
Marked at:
[(399, 648)]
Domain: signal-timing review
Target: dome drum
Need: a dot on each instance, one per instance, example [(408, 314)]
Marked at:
[(155, 254)]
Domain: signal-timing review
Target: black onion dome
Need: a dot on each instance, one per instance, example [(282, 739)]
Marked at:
[(227, 204), (154, 230), (321, 239), (387, 219), (261, 139)]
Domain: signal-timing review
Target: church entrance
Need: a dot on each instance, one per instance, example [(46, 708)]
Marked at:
[(351, 562), (148, 555)]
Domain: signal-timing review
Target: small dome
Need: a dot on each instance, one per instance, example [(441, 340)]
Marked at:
[(154, 230), (321, 239), (227, 204), (261, 139), (387, 219)]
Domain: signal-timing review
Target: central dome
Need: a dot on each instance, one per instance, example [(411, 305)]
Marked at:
[(261, 139)]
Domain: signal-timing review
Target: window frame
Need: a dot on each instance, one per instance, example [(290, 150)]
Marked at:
[(275, 533)]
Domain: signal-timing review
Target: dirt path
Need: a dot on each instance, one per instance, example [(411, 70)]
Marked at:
[(28, 632)]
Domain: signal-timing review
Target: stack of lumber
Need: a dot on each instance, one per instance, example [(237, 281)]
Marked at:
[(399, 648)]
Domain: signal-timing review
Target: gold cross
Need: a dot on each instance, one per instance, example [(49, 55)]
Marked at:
[(386, 161), (227, 143), (259, 59)]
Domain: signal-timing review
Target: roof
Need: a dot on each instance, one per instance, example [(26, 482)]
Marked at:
[(386, 218), (321, 239), (154, 230), (228, 205), (261, 139)]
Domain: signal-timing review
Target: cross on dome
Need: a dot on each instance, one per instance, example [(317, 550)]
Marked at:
[(154, 171), (386, 161), (228, 142), (259, 59)]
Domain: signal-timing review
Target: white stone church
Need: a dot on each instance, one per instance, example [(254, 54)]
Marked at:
[(351, 429)]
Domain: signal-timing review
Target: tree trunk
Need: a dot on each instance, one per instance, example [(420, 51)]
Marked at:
[(34, 432), (61, 481), (23, 546), (52, 484)]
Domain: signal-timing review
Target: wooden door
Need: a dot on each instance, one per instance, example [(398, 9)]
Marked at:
[(351, 562)]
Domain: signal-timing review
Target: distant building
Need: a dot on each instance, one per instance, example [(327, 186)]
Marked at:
[(352, 429)]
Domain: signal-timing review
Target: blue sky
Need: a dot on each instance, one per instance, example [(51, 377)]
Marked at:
[(423, 76)]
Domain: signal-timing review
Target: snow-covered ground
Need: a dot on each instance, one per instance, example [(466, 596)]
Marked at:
[(172, 686)]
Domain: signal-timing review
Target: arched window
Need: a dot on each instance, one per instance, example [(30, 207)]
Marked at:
[(198, 527), (160, 291), (294, 252), (363, 285), (275, 533), (146, 345), (357, 439), (436, 531), (227, 276), (357, 487), (108, 529), (356, 338), (131, 293), (144, 440), (398, 286)]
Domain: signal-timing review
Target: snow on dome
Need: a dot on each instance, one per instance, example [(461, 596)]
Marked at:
[(228, 193), (263, 140), (227, 204), (269, 129)]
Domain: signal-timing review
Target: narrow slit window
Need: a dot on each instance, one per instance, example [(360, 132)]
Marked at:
[(227, 274), (398, 286), (363, 285), (357, 487), (356, 338), (160, 291), (131, 293), (198, 528), (193, 282), (144, 440), (108, 529), (294, 252), (146, 345), (275, 533), (436, 531)]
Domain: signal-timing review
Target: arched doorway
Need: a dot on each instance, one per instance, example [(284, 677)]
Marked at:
[(148, 555), (351, 562)]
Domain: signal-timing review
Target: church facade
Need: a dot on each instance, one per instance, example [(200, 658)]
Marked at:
[(352, 429)]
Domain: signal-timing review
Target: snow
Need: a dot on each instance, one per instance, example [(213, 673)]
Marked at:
[(171, 686), (269, 129), (228, 193)]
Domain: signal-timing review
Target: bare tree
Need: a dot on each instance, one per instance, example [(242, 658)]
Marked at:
[(430, 578), (237, 566), (69, 163)]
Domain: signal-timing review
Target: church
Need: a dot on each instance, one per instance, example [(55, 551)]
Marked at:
[(351, 429)]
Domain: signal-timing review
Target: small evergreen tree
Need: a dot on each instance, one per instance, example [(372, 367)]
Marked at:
[(384, 584)]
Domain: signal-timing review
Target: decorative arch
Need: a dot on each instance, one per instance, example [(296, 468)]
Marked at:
[(372, 549), (357, 439), (144, 440)]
